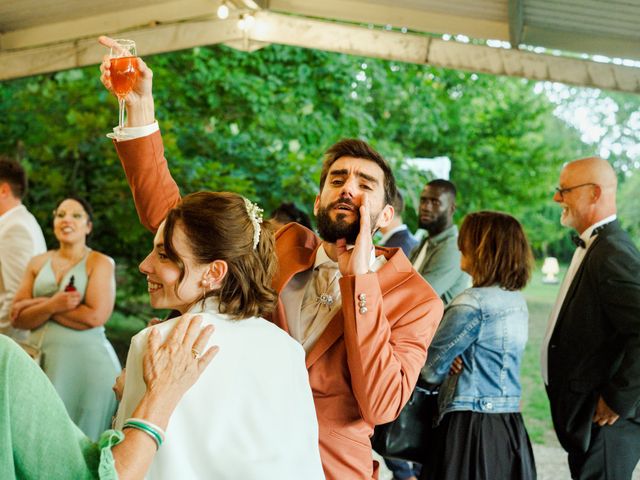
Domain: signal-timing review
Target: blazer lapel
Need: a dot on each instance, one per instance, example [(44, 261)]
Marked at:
[(296, 249), (576, 280), (331, 334)]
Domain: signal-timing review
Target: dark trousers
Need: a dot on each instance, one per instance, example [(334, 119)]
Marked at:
[(613, 453)]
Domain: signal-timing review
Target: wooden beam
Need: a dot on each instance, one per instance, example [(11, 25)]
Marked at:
[(119, 21), (157, 39), (422, 20), (516, 22), (351, 39)]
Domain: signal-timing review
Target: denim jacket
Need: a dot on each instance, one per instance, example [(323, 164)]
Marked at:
[(487, 327)]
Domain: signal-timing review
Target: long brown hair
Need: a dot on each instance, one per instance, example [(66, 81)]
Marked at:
[(497, 248), (218, 227)]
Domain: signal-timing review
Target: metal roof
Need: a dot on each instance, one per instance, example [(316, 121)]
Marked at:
[(566, 41)]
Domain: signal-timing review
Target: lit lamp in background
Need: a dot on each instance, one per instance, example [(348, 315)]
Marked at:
[(223, 11), (551, 269)]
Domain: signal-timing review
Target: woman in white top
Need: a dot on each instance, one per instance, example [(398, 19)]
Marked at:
[(251, 414)]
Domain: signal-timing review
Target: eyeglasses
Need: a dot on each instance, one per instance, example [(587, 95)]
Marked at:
[(562, 191)]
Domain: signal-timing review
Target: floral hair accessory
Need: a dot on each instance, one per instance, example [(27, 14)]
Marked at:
[(255, 215)]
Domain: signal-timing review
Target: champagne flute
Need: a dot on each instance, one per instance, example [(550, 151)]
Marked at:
[(123, 74)]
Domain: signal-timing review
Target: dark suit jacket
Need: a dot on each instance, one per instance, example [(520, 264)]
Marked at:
[(404, 240), (595, 346)]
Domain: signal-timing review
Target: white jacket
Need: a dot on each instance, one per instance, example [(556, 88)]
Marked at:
[(249, 416)]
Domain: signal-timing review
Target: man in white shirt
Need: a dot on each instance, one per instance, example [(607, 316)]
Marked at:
[(590, 355), (20, 239)]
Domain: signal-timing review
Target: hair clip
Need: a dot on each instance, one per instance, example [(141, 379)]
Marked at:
[(255, 215)]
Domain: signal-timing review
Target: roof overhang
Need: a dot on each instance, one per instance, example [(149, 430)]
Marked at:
[(403, 30)]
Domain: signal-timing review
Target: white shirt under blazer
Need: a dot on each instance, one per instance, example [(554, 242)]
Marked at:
[(249, 416)]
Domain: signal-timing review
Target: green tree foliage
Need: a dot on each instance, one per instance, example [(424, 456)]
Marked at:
[(258, 124), (628, 206)]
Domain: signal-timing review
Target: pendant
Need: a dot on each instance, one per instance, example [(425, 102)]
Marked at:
[(326, 300)]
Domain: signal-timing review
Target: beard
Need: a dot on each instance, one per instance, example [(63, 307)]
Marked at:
[(333, 230), (435, 225), (567, 218)]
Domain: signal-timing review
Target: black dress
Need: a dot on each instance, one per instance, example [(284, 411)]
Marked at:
[(480, 446)]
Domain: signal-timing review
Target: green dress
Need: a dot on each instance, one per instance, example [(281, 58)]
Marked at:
[(81, 364), (37, 438)]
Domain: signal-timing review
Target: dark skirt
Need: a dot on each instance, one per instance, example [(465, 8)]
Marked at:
[(480, 446)]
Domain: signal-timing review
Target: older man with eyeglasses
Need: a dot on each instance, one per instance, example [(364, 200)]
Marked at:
[(591, 351)]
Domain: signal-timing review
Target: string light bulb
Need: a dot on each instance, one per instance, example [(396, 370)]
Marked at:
[(223, 11), (246, 22)]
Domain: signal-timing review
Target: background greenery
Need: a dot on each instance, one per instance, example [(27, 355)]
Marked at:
[(258, 124)]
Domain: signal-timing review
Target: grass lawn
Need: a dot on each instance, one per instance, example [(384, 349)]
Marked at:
[(535, 406)]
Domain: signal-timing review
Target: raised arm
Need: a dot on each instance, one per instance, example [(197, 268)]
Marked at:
[(385, 356), (154, 190), (386, 338), (99, 297)]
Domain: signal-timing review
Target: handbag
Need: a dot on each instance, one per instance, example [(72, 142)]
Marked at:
[(35, 351), (408, 437)]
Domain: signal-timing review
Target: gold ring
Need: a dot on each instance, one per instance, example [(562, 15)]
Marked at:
[(196, 354)]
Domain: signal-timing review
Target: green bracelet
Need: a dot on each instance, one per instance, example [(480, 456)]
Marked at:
[(144, 427)]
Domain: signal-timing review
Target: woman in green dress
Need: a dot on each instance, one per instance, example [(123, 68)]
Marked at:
[(39, 440), (65, 298)]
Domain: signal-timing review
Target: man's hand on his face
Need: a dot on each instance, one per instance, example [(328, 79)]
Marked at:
[(356, 261)]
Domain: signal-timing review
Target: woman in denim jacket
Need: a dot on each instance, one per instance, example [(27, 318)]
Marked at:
[(481, 434)]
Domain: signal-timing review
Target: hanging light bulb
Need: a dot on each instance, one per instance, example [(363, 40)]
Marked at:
[(223, 11), (246, 21)]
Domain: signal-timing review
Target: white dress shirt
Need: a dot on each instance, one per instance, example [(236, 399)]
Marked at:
[(20, 239), (576, 261)]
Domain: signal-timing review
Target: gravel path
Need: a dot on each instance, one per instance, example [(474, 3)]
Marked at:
[(551, 463)]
